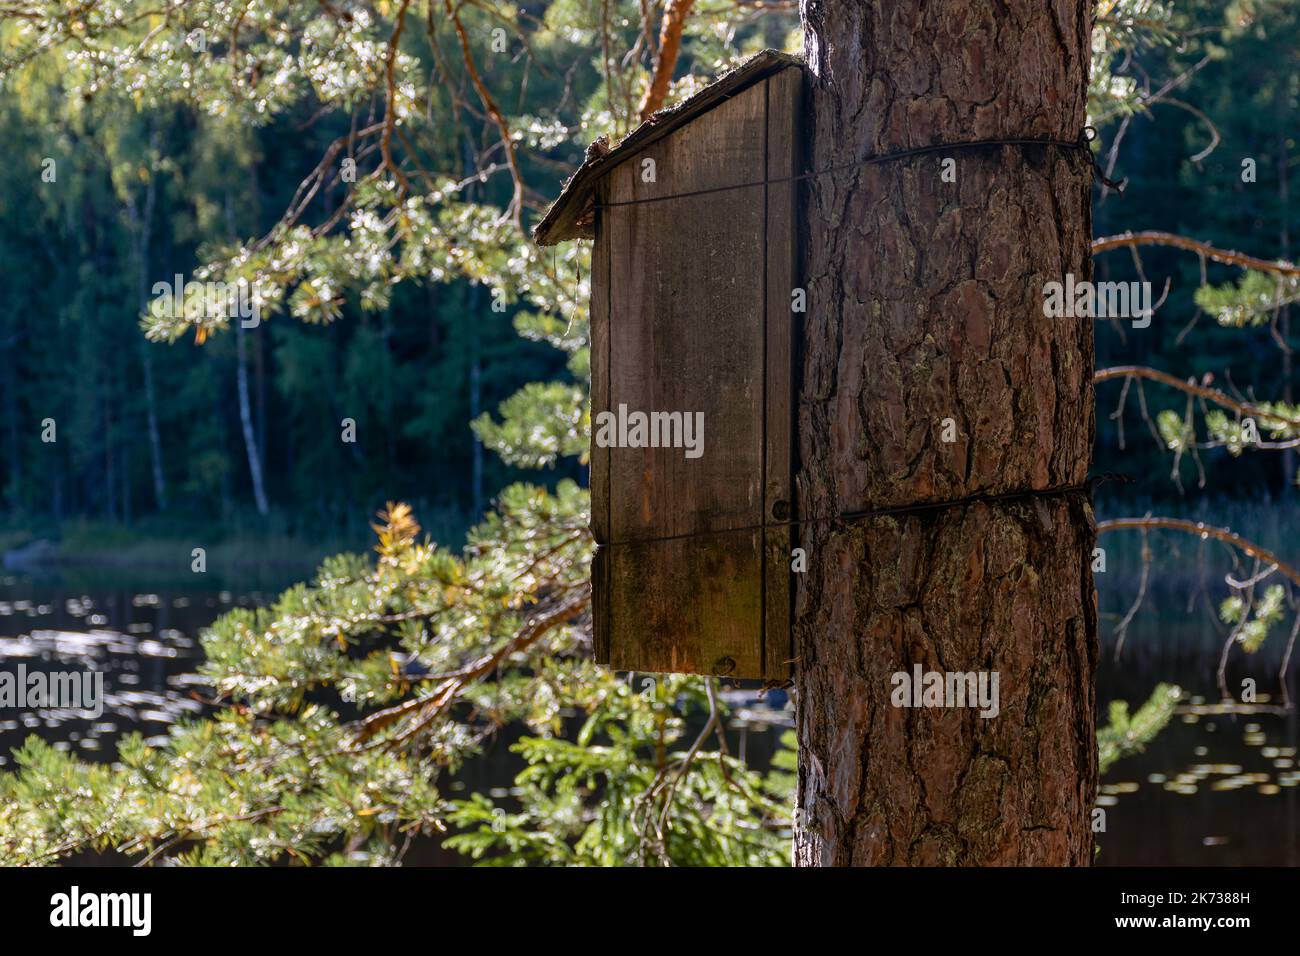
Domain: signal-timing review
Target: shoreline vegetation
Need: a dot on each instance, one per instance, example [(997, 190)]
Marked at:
[(94, 546), (245, 562), (93, 555), (157, 544)]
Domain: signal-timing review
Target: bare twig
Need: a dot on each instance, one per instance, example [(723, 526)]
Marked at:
[(390, 99), (517, 203), (1248, 607), (1286, 662), (715, 715), (1121, 630)]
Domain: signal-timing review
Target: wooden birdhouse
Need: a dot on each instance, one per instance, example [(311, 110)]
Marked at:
[(694, 218)]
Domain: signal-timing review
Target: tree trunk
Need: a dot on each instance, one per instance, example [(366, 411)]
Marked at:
[(241, 383), (926, 304), (155, 440), (246, 421), (143, 223)]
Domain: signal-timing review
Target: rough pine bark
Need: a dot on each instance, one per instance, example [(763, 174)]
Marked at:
[(926, 304)]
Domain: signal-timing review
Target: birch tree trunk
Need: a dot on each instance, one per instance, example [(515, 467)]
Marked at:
[(245, 406), (925, 322), (246, 421)]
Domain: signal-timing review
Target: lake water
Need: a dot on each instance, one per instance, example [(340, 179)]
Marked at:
[(1213, 788), (144, 642), (1219, 786)]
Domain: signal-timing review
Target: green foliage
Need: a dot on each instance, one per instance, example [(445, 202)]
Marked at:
[(1252, 299), (540, 424), (1124, 27), (1175, 431), (1124, 734), (307, 764), (623, 793), (1254, 620)]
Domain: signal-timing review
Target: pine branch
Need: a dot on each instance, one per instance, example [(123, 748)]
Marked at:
[(1202, 530), (670, 43), (1191, 388), (1228, 256)]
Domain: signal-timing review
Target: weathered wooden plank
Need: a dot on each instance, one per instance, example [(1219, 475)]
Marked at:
[(686, 335), (686, 606), (599, 316), (784, 138), (570, 215)]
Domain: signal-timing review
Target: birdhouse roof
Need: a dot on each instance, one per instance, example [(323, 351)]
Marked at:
[(572, 215)]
